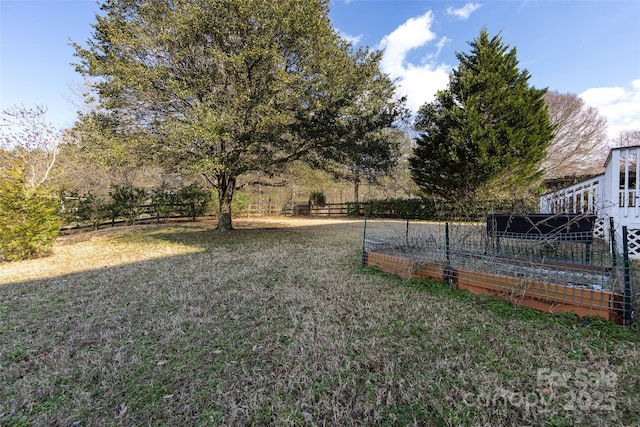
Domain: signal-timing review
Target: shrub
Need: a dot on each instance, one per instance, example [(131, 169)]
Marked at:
[(192, 200), (422, 208), (163, 201), (29, 219), (432, 209), (353, 209), (126, 201), (93, 209), (318, 198), (240, 204), (84, 209)]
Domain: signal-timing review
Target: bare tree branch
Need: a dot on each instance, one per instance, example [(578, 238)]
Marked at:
[(28, 137), (579, 146), (627, 138)]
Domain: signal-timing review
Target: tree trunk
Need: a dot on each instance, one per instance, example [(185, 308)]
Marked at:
[(356, 190), (226, 187)]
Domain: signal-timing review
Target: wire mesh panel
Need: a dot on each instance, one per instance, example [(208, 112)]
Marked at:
[(555, 271)]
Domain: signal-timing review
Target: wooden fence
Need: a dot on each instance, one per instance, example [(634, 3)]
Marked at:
[(334, 209), (147, 213)]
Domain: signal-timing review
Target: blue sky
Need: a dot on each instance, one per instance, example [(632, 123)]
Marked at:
[(590, 48)]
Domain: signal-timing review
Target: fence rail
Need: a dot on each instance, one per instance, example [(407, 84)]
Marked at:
[(138, 214), (424, 209), (329, 209)]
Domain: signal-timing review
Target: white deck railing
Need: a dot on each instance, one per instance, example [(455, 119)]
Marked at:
[(614, 194), (581, 198)]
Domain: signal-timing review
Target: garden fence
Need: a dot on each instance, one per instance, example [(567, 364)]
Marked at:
[(557, 269)]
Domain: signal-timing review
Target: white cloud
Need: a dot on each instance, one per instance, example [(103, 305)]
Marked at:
[(442, 43), (463, 12), (602, 95), (354, 40), (419, 82), (620, 106), (414, 33)]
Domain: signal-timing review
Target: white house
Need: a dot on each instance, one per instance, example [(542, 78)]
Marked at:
[(614, 194)]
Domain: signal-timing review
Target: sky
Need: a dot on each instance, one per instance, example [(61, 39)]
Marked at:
[(588, 48)]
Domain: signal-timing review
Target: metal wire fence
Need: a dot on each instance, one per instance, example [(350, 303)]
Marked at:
[(549, 267)]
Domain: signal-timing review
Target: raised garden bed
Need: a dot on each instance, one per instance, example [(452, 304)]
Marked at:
[(404, 267), (547, 297)]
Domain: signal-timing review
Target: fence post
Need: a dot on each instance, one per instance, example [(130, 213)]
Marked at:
[(364, 243), (448, 271), (627, 277), (406, 237), (612, 238)]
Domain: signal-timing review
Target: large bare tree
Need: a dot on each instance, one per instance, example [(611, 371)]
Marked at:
[(579, 145)]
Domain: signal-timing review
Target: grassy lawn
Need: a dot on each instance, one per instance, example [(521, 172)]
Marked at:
[(278, 324)]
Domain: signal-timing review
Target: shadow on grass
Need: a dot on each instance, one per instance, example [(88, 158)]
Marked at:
[(153, 339)]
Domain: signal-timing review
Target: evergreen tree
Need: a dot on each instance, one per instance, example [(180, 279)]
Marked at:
[(29, 208), (488, 126), (29, 216)]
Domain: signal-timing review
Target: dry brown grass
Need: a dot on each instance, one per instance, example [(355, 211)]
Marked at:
[(277, 324)]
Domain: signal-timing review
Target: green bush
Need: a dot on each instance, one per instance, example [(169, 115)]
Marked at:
[(83, 209), (431, 209), (126, 201), (422, 208), (93, 209), (29, 219), (240, 204), (130, 202), (163, 201), (353, 209), (192, 200), (318, 198)]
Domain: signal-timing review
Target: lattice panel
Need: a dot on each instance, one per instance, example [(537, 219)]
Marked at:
[(633, 241), (599, 230)]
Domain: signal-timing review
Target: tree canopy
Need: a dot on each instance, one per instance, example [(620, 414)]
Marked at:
[(579, 145), (224, 88), (489, 125), (370, 140)]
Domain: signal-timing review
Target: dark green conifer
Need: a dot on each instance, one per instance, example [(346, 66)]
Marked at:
[(488, 126)]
